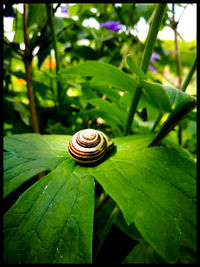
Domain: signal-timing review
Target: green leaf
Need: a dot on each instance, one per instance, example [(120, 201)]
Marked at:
[(172, 144), (192, 116), (53, 221), (142, 253), (30, 154), (37, 15), (155, 188), (23, 112), (110, 120), (165, 98), (135, 68), (108, 107), (18, 28), (156, 95), (177, 97), (129, 230), (104, 74), (112, 95)]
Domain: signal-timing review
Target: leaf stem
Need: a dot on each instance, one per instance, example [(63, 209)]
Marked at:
[(101, 202), (49, 8), (152, 35), (172, 121), (178, 63), (126, 53), (189, 76), (119, 15), (132, 110), (157, 121), (177, 52), (109, 223), (28, 66)]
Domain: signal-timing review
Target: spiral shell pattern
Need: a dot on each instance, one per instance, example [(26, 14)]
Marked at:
[(89, 146)]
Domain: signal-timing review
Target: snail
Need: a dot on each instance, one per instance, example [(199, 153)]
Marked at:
[(89, 146)]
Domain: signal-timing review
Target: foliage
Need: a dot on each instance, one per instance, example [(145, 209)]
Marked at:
[(99, 83)]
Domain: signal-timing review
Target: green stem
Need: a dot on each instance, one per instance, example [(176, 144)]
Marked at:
[(28, 67), (106, 229), (172, 121), (152, 35), (157, 121), (126, 54), (178, 64), (49, 8), (133, 107), (189, 76), (101, 202), (119, 15)]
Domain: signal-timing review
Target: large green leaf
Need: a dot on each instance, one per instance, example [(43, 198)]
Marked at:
[(103, 73), (53, 221), (155, 187), (30, 154)]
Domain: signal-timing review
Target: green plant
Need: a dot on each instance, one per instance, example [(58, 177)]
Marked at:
[(149, 178)]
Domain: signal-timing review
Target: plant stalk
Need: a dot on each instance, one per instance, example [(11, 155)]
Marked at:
[(119, 15), (101, 202), (189, 76), (178, 61), (178, 64), (157, 121), (152, 35), (28, 66), (126, 54), (175, 119), (49, 8)]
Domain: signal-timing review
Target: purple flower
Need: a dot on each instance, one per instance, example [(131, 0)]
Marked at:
[(152, 69), (64, 9), (67, 46), (154, 56), (111, 25)]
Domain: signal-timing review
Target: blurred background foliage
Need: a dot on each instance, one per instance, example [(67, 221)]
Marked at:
[(78, 40)]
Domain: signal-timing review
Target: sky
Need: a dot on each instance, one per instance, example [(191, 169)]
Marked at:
[(187, 26)]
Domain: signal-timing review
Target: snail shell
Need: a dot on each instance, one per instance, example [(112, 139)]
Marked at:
[(89, 146)]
